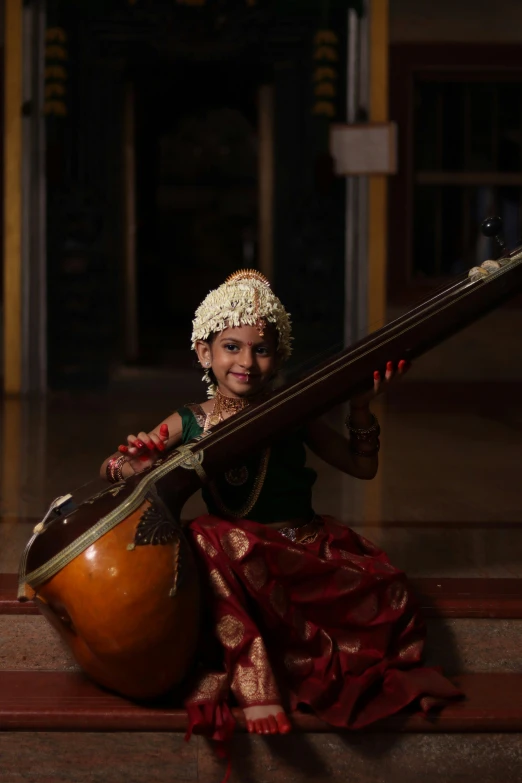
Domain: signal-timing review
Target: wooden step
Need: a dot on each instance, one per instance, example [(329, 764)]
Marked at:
[(9, 604), (68, 701), (470, 597), (444, 597), (69, 730)]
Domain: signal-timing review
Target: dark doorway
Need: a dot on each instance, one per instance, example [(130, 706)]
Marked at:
[(196, 192)]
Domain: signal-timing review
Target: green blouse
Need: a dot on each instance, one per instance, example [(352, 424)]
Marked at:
[(287, 489)]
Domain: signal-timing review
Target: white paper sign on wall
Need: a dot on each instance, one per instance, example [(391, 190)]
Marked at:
[(360, 150)]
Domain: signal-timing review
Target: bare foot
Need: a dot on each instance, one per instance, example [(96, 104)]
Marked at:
[(267, 719)]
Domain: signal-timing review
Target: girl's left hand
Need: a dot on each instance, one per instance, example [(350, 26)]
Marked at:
[(380, 385)]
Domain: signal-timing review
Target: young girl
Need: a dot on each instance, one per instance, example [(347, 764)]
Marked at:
[(305, 611)]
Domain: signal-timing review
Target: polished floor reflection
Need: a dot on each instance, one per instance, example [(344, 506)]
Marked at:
[(446, 501)]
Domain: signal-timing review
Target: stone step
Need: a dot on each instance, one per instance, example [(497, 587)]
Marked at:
[(473, 626), (68, 729), (164, 757), (457, 644), (29, 643)]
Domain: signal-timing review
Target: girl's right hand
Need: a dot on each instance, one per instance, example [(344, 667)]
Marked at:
[(144, 450)]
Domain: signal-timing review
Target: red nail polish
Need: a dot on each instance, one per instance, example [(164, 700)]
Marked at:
[(376, 375), (139, 444), (143, 457), (283, 723), (160, 446), (389, 366), (164, 430), (123, 449), (272, 724), (402, 364), (150, 445)]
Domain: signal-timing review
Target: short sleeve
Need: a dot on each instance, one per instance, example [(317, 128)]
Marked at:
[(190, 421)]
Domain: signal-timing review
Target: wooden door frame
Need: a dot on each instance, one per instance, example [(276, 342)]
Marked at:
[(406, 61)]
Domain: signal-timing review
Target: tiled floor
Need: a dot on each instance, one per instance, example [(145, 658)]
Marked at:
[(446, 502)]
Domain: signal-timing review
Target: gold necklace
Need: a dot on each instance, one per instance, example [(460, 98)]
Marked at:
[(223, 404), (253, 497), (233, 405)]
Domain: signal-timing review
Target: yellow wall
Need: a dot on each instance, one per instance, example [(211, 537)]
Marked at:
[(13, 198)]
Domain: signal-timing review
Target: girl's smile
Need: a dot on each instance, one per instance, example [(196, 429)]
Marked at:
[(244, 377)]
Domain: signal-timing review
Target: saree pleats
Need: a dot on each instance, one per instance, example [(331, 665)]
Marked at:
[(328, 624)]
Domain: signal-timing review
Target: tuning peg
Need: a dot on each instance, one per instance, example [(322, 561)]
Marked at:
[(492, 227)]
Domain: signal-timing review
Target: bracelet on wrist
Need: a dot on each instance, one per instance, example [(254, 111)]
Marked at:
[(363, 433), (114, 469)]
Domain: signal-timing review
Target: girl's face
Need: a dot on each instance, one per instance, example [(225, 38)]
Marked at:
[(241, 360)]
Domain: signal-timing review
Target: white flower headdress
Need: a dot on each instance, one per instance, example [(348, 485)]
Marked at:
[(245, 298)]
